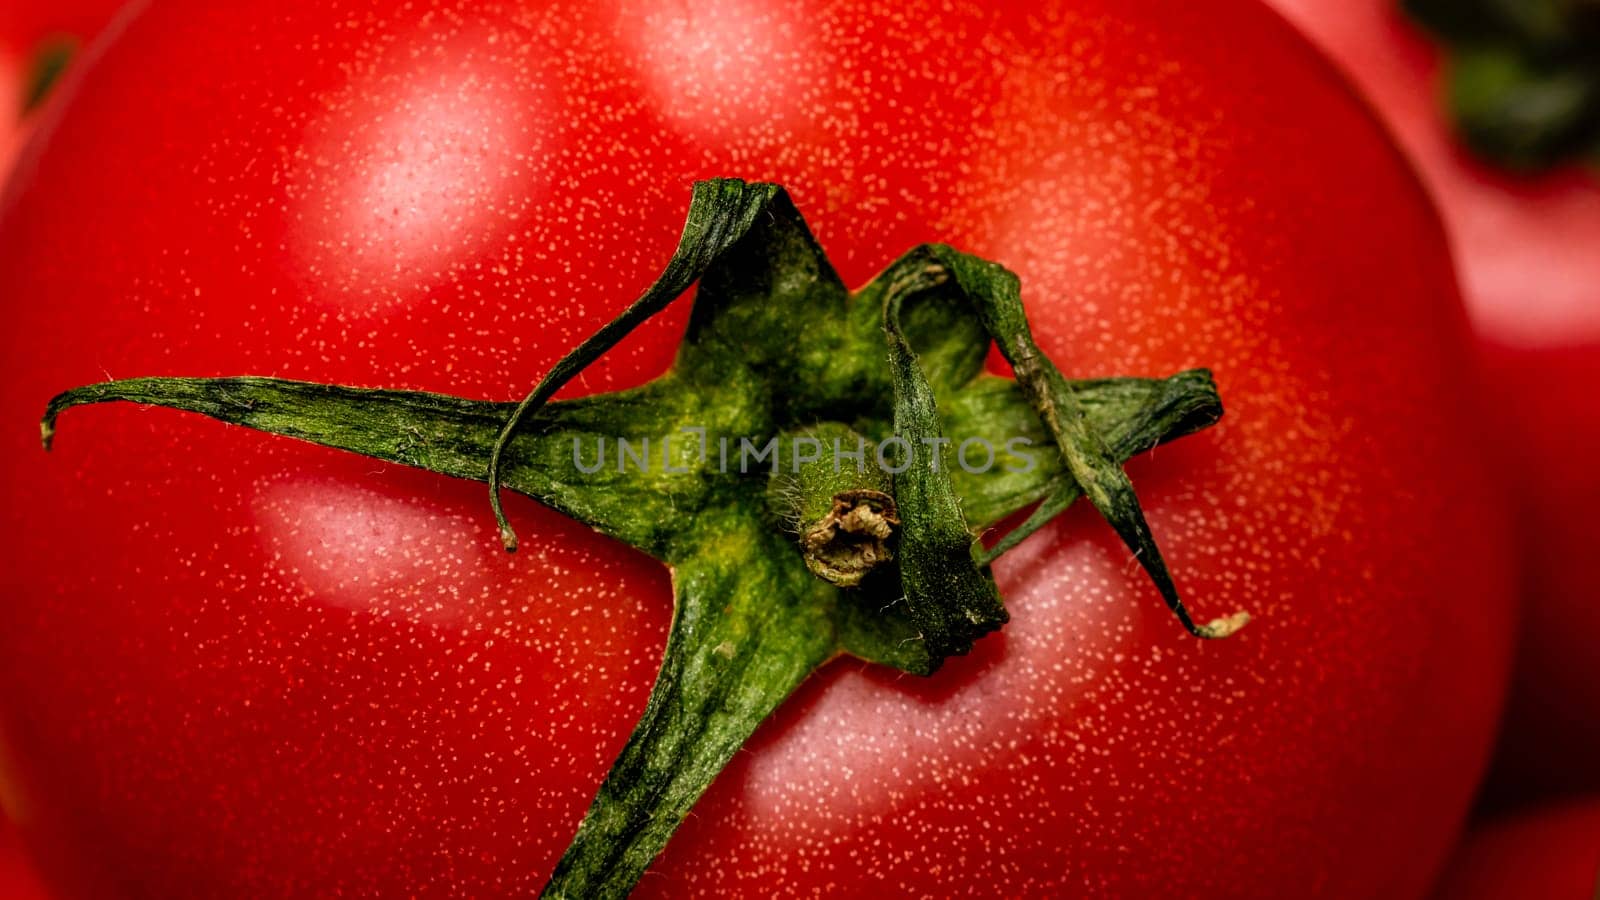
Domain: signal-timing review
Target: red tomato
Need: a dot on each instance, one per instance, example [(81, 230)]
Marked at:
[(1526, 256), (1545, 854), (239, 665), (24, 28)]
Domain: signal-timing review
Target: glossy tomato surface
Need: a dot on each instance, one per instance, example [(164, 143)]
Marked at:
[(1526, 254), (1551, 853), (239, 665)]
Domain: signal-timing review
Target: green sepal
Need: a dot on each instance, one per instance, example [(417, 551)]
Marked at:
[(722, 211), (747, 629), (949, 597), (1094, 467), (455, 436)]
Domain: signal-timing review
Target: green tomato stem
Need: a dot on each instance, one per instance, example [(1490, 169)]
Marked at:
[(837, 502)]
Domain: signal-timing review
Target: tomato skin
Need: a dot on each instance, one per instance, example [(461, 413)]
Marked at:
[(238, 665), (1547, 853), (1531, 279)]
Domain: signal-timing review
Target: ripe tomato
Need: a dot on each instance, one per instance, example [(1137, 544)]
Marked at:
[(1526, 256), (25, 30), (239, 665), (1544, 854)]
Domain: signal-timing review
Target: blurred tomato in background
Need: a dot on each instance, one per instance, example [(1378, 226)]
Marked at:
[(38, 39), (1527, 245)]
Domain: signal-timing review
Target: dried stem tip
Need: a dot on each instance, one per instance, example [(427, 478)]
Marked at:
[(853, 538)]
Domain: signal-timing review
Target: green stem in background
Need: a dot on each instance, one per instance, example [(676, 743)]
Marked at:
[(1523, 77), (50, 61), (767, 587)]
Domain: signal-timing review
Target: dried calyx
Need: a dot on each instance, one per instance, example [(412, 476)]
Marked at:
[(780, 567), (853, 538)]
